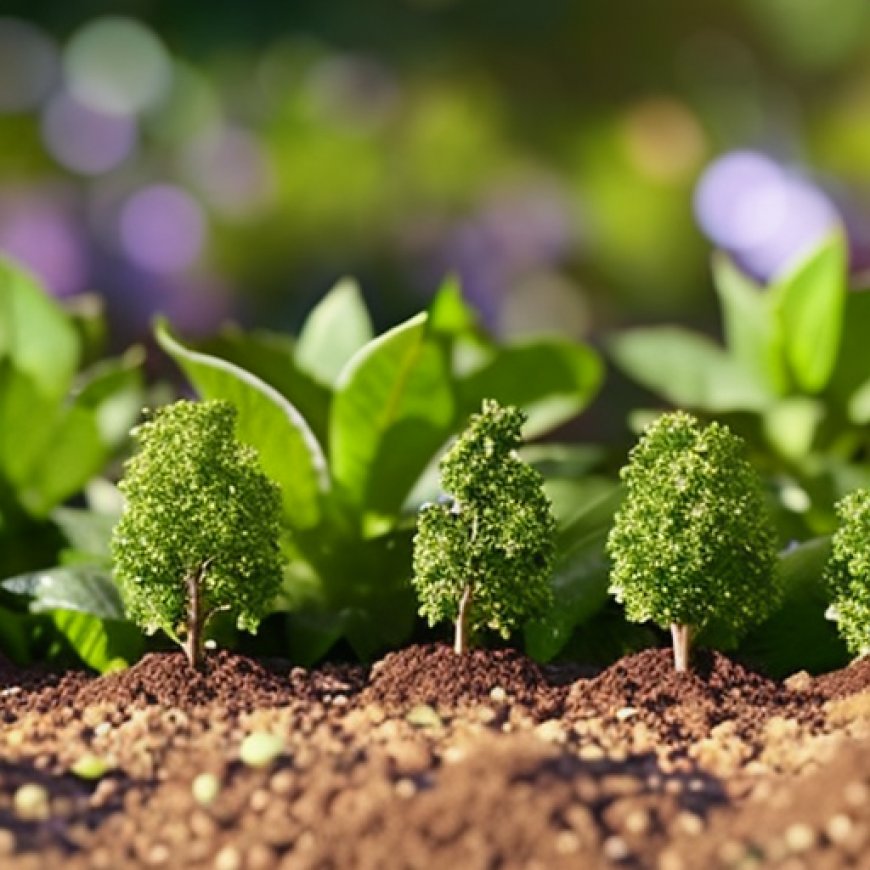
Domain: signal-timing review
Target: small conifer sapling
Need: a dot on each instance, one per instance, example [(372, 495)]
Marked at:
[(848, 572), (199, 531), (484, 553), (692, 542)]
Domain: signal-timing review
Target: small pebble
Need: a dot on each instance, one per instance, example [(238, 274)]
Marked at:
[(838, 828), (498, 694), (205, 788), (405, 788), (31, 802), (800, 837), (90, 766), (229, 858), (567, 842), (625, 713), (423, 716), (615, 849), (260, 749)]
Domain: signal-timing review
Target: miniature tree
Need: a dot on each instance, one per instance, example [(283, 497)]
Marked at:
[(483, 554), (848, 572), (692, 542), (199, 531)]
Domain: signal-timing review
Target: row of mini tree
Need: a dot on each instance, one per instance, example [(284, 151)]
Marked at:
[(692, 544)]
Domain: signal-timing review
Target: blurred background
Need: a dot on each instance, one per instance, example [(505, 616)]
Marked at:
[(573, 162)]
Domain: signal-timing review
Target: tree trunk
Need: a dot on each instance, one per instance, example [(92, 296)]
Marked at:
[(680, 635), (460, 642), (192, 645)]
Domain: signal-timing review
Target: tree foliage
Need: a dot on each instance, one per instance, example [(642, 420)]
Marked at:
[(692, 542), (199, 532), (484, 553), (848, 571)]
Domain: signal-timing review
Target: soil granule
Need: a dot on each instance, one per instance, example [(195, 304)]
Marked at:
[(508, 768)]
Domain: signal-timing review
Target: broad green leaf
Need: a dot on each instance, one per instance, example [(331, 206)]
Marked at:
[(335, 330), (29, 420), (798, 636), (289, 453), (449, 313), (393, 409), (850, 382), (688, 370), (83, 588), (35, 333), (790, 425), (74, 455), (552, 380), (810, 302), (102, 644), (271, 356), (86, 531), (113, 390), (752, 330), (580, 577)]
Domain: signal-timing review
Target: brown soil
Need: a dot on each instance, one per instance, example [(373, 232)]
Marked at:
[(432, 761)]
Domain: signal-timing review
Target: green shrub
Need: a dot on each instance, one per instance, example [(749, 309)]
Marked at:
[(692, 543), (848, 571), (199, 532), (483, 555)]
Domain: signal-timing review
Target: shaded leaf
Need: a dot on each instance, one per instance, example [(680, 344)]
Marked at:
[(82, 588), (552, 380)]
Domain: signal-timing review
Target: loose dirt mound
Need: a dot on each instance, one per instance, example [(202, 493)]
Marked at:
[(688, 706), (847, 681), (435, 675), (646, 769)]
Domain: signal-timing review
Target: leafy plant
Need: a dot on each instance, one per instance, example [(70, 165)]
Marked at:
[(60, 426), (692, 544), (848, 572), (792, 377), (199, 532), (483, 555), (375, 421)]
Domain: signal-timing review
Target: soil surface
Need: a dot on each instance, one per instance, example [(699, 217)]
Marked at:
[(429, 760)]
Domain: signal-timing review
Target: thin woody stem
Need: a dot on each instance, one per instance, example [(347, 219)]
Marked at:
[(680, 636), (196, 619), (460, 643)]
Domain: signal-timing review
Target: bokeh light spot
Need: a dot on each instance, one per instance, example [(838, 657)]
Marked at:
[(85, 140), (116, 64), (162, 229)]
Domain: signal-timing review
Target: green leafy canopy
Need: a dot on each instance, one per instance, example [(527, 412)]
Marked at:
[(692, 542), (848, 571), (493, 536), (198, 506)]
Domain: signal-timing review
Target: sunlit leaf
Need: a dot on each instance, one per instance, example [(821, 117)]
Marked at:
[(752, 329), (335, 330), (810, 300), (288, 451), (393, 409), (688, 370)]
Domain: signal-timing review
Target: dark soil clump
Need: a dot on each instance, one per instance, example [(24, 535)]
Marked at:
[(682, 707), (433, 674), (847, 681)]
